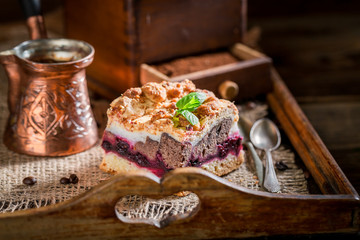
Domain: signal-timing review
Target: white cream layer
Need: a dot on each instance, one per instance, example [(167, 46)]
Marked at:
[(140, 136)]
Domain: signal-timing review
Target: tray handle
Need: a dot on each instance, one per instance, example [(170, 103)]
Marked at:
[(226, 210)]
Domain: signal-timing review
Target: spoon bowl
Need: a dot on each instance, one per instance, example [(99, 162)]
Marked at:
[(265, 135)]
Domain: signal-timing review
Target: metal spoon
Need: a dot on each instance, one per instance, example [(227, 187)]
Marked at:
[(245, 127), (266, 136)]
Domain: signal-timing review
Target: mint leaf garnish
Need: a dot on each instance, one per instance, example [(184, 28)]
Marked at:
[(188, 104), (193, 120), (191, 101)]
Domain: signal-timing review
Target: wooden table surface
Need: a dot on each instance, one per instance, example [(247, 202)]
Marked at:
[(317, 55)]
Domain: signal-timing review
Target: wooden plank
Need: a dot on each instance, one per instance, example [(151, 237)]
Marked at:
[(263, 8), (317, 53), (338, 123)]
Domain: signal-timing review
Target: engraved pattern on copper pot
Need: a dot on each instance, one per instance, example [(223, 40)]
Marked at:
[(46, 110)]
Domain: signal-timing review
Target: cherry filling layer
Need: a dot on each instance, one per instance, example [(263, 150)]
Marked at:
[(232, 145), (122, 147)]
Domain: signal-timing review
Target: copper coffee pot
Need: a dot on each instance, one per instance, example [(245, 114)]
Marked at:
[(50, 113)]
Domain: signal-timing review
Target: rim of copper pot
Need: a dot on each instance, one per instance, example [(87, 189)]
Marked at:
[(80, 54)]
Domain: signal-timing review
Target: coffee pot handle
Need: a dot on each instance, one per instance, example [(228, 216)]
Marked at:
[(34, 18)]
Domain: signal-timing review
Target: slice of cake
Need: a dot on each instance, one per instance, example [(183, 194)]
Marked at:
[(163, 126)]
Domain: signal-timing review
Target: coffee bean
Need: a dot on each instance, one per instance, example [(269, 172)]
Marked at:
[(29, 181), (306, 174), (73, 179), (64, 180), (281, 166)]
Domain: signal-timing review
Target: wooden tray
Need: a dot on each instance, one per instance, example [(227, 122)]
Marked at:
[(226, 210)]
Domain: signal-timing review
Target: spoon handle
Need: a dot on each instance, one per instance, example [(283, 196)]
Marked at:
[(270, 183), (258, 164)]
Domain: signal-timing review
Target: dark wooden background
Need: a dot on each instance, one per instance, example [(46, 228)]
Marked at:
[(315, 46)]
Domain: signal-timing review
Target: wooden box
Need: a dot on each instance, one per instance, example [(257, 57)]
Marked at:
[(126, 34), (246, 78), (225, 211)]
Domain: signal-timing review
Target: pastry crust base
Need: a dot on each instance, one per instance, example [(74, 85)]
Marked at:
[(115, 164), (224, 166)]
